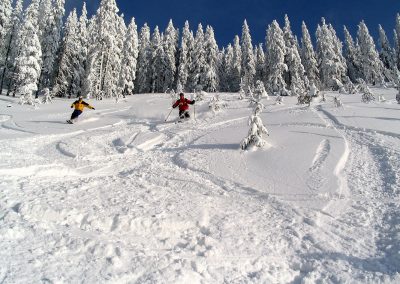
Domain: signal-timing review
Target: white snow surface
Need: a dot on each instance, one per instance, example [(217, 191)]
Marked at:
[(123, 197)]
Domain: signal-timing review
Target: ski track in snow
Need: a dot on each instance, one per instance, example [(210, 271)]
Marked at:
[(123, 204)]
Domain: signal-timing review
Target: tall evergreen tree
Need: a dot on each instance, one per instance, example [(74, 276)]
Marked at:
[(210, 80), (248, 67), (236, 70), (184, 55), (227, 67), (276, 49), (10, 49), (261, 74), (397, 40), (332, 69), (387, 52), (170, 43), (372, 67), (143, 75), (198, 61), (351, 54), (107, 49), (83, 51), (308, 56), (294, 74), (158, 62), (129, 60), (28, 62), (5, 25), (67, 82), (50, 41)]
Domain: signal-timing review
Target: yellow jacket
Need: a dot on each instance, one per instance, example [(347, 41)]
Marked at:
[(80, 105)]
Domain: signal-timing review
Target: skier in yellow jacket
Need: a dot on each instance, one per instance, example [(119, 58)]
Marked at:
[(79, 105)]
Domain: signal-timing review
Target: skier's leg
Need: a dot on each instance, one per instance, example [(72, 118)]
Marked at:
[(75, 114), (187, 114)]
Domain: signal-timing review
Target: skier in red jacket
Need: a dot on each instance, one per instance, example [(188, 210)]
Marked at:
[(183, 104)]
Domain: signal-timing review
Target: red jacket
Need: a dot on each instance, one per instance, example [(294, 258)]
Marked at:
[(183, 104)]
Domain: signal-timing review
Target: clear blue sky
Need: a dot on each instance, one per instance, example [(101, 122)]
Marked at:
[(227, 16)]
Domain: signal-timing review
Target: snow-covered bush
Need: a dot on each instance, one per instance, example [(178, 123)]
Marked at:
[(398, 98), (337, 102), (381, 99), (199, 96), (256, 131), (242, 93), (367, 94), (279, 100), (313, 92), (351, 88), (367, 97), (323, 99), (46, 97), (216, 104), (260, 92)]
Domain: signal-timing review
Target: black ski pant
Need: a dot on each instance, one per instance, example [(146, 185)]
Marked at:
[(75, 114), (184, 114)]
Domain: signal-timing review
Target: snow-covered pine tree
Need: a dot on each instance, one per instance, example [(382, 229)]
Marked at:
[(256, 131), (198, 61), (143, 75), (308, 56), (221, 68), (28, 62), (387, 52), (170, 42), (332, 69), (236, 70), (372, 67), (351, 54), (275, 59), (248, 67), (5, 25), (158, 62), (129, 60), (106, 54), (83, 50), (397, 40), (10, 49), (50, 41), (67, 79), (89, 80), (210, 80), (184, 56), (295, 72), (261, 73), (226, 69)]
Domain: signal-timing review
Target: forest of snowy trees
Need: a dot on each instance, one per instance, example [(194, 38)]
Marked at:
[(103, 57)]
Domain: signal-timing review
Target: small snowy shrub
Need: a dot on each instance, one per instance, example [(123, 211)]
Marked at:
[(398, 97), (256, 131), (259, 91), (337, 102), (199, 96), (216, 104), (46, 97), (279, 100)]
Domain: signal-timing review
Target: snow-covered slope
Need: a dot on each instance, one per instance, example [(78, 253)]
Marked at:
[(123, 197)]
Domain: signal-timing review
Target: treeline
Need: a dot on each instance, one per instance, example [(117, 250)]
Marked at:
[(101, 57)]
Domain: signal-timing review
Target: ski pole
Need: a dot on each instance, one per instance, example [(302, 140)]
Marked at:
[(168, 115)]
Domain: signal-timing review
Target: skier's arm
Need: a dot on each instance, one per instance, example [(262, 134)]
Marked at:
[(88, 105), (175, 104), (191, 102)]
